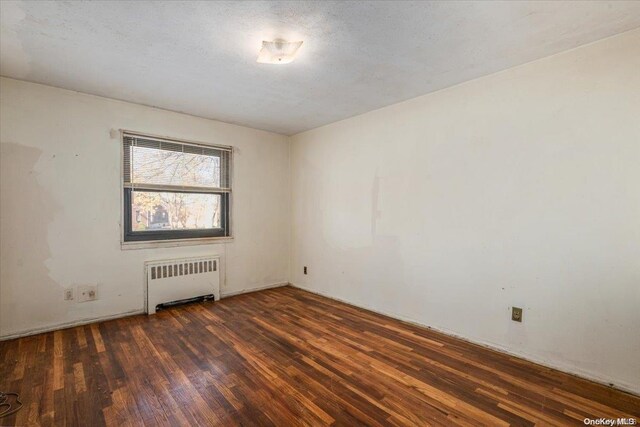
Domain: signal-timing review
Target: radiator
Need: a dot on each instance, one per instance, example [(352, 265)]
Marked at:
[(181, 279)]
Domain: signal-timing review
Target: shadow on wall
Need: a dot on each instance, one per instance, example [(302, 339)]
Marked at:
[(28, 296)]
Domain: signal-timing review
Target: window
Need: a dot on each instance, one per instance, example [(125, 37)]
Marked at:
[(175, 190)]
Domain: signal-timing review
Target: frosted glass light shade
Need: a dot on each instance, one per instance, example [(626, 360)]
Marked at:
[(278, 52)]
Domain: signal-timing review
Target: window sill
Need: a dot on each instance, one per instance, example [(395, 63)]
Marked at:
[(152, 244)]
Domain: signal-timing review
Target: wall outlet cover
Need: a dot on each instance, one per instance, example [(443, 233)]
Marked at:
[(87, 293), (516, 314), (68, 294)]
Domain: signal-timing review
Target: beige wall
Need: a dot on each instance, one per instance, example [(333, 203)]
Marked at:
[(521, 188), (60, 205)]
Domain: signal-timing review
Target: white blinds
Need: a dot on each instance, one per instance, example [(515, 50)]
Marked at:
[(156, 164)]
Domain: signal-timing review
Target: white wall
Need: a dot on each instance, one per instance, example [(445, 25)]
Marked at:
[(60, 205), (521, 188)]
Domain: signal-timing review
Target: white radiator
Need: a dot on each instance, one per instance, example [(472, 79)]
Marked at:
[(180, 279)]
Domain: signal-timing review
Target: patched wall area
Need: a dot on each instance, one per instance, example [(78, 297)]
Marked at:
[(516, 189), (61, 205)]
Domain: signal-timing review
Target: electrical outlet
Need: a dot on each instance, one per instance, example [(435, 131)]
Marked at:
[(305, 269), (516, 314), (87, 293), (68, 294)]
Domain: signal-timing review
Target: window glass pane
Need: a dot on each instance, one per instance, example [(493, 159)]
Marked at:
[(155, 166), (155, 211)]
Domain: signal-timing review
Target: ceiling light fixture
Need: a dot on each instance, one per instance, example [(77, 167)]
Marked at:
[(278, 52)]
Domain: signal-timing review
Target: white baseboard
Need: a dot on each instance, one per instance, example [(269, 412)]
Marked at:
[(571, 370), (86, 321), (620, 385), (66, 325), (255, 289)]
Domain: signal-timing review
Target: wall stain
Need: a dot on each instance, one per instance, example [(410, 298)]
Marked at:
[(28, 295), (375, 198)]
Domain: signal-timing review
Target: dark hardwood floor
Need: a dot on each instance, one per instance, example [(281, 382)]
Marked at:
[(284, 357)]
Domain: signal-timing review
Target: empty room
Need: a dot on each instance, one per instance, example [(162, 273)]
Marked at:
[(314, 213)]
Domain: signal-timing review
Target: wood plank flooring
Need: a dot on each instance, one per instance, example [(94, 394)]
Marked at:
[(285, 357)]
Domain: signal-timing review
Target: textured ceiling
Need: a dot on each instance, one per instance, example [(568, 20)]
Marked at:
[(200, 57)]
